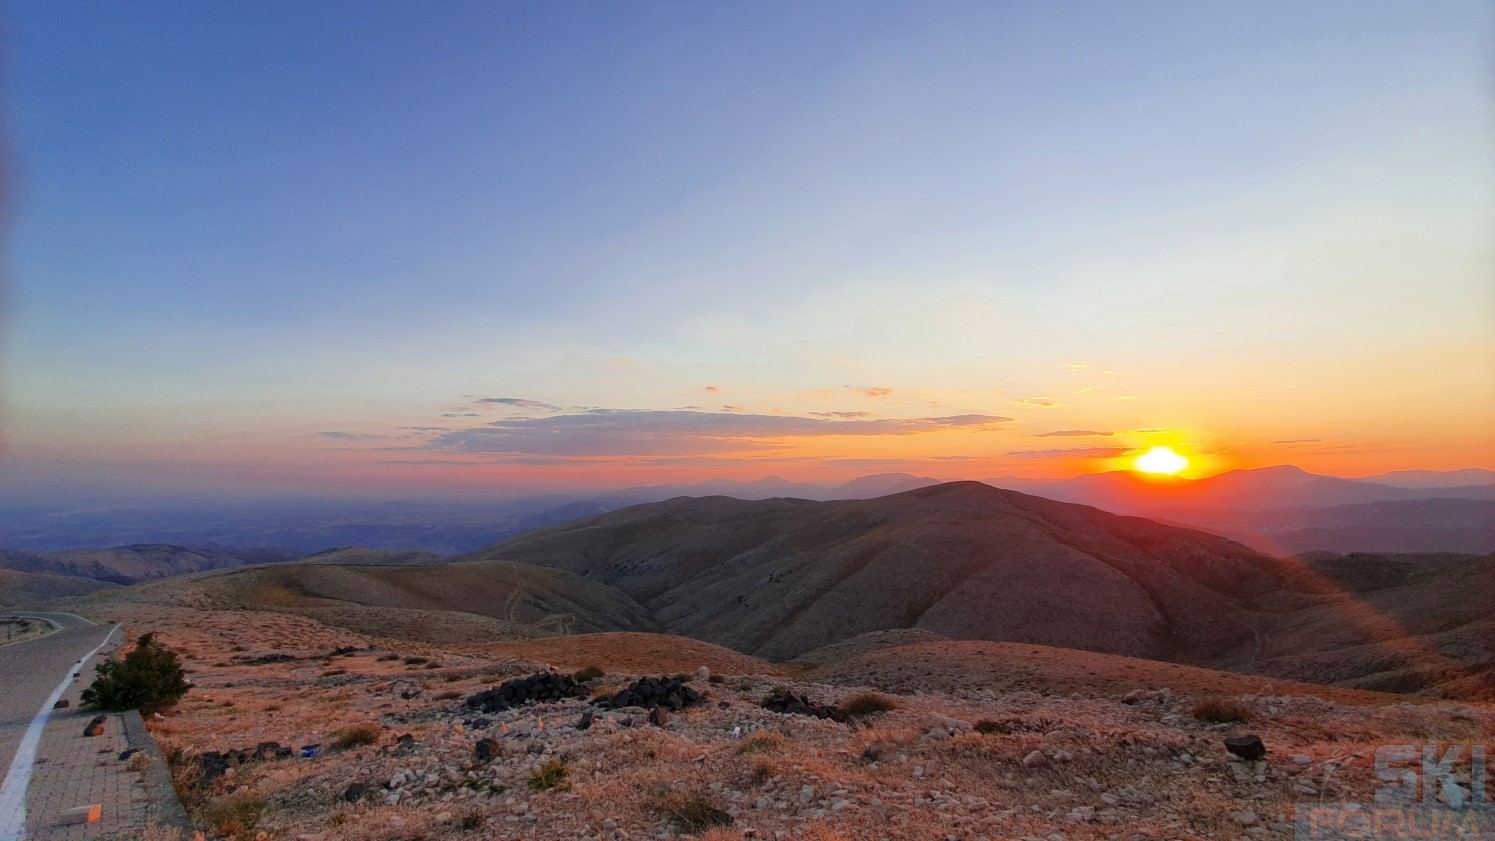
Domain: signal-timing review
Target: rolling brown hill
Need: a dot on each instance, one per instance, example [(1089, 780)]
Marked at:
[(141, 562), (776, 578), (26, 589), (476, 601)]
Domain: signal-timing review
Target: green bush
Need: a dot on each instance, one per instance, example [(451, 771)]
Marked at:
[(551, 775), (149, 678)]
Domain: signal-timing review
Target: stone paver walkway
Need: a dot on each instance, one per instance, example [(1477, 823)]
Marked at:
[(73, 772)]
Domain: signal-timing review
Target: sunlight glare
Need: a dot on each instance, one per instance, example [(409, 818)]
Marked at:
[(1160, 460)]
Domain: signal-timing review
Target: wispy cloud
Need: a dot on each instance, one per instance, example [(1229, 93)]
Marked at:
[(338, 435), (871, 390), (1082, 452), (1071, 433), (842, 415), (1291, 441), (713, 389), (520, 402), (622, 432), (1038, 401)]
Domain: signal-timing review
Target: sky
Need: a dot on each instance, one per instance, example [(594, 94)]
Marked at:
[(401, 249)]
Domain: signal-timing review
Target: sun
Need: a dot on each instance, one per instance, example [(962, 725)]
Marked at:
[(1162, 460)]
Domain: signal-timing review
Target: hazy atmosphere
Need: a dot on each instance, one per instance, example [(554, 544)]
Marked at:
[(738, 420), (271, 248)]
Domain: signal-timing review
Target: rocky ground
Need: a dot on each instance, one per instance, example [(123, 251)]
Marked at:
[(383, 746)]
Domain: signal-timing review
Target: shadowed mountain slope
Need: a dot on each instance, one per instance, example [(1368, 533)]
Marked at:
[(141, 562), (780, 577)]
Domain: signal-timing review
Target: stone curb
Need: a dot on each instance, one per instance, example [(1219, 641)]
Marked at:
[(165, 809)]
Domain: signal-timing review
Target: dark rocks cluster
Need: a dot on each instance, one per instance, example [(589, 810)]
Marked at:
[(540, 686), (793, 703), (215, 764), (653, 693)]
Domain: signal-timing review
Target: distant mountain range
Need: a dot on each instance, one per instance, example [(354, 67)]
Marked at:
[(1286, 510), (1279, 510)]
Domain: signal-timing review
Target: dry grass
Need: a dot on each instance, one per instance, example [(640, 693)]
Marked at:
[(868, 703), (691, 810), (233, 816), (760, 742), (1221, 711), (357, 734)]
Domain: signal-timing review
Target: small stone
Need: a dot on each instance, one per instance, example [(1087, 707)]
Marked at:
[(96, 726), (1245, 818), (62, 704), (355, 792), (1034, 759)]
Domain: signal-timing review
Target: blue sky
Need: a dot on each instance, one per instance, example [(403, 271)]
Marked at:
[(238, 226)]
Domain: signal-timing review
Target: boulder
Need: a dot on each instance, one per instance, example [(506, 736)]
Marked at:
[(1248, 747), (487, 750)]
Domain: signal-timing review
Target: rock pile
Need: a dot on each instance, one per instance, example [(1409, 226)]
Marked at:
[(793, 703), (653, 693), (540, 686), (215, 764)]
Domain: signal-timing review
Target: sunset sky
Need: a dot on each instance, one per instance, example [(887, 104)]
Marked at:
[(401, 248)]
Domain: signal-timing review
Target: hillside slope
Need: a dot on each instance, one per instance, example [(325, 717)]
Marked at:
[(24, 589), (141, 562), (526, 600), (964, 560)]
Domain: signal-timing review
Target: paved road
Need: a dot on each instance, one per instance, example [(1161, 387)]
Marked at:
[(31, 671)]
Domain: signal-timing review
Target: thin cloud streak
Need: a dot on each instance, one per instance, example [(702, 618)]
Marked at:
[(622, 432)]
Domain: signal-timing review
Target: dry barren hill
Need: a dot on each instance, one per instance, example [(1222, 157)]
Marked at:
[(24, 589), (779, 577), (447, 603), (141, 562)]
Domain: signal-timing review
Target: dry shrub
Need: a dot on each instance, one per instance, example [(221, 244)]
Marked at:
[(763, 771), (358, 734), (691, 811), (987, 727), (760, 742), (447, 696), (1221, 711), (589, 673), (234, 815), (868, 703), (138, 762)]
